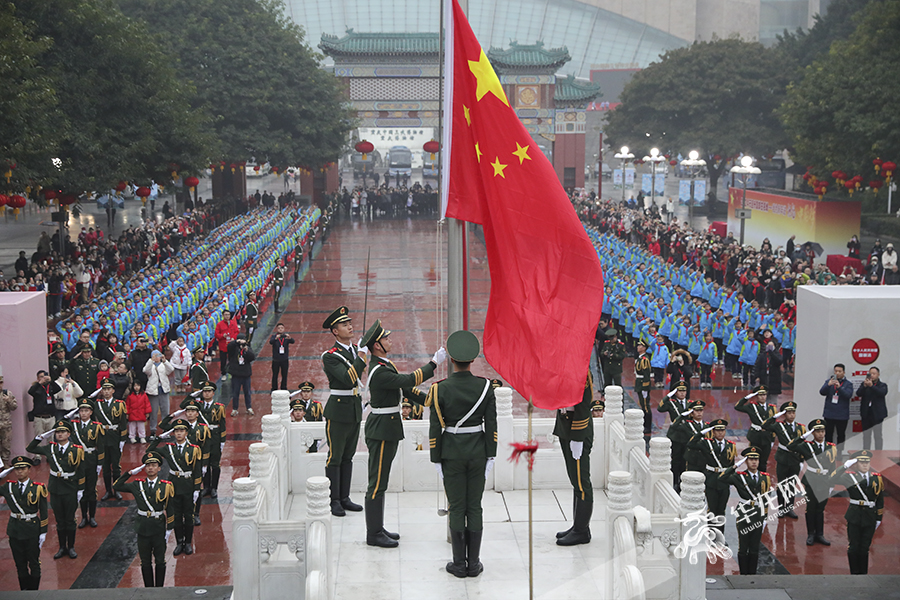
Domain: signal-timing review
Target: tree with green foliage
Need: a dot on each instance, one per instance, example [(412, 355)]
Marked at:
[(250, 67), (846, 110), (716, 97), (839, 21)]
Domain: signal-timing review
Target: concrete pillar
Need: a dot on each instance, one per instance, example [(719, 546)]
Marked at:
[(504, 470), (693, 500)]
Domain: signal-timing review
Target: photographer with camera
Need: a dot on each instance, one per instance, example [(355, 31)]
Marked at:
[(240, 361), (281, 343), (837, 391)]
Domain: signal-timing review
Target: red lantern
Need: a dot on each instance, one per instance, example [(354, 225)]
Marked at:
[(49, 194), (673, 162), (432, 147), (877, 163), (16, 202), (876, 184), (850, 186), (67, 199), (888, 167), (256, 168), (233, 167), (717, 158), (365, 147), (191, 182), (4, 200), (120, 187), (142, 192)]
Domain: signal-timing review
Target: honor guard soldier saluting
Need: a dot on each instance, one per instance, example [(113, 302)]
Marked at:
[(642, 385), (186, 469), (198, 373), (384, 427), (575, 429), (152, 526), (113, 415), (298, 412), (212, 413), (674, 404), (27, 527), (66, 461), (751, 485), (611, 356), (312, 409), (463, 440), (819, 457), (866, 490), (687, 425), (278, 283), (718, 454), (89, 435), (343, 364), (199, 434), (786, 462), (755, 406)]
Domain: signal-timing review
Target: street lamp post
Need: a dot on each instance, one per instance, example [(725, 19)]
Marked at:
[(654, 159), (624, 155), (746, 169), (692, 162)]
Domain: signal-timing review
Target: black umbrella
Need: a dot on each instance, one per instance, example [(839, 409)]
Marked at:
[(816, 247)]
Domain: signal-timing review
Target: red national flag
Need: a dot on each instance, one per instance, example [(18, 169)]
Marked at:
[(546, 282)]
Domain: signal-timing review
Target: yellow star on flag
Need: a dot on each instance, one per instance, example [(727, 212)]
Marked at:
[(487, 78), (466, 113), (522, 153), (477, 152), (498, 168)]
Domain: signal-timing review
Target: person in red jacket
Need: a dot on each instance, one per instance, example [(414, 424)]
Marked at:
[(226, 331), (138, 405)]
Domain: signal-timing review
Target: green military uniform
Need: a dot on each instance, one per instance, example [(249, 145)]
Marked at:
[(278, 283), (66, 485), (200, 435), (251, 318), (83, 370), (313, 411), (752, 510), (89, 435), (686, 427), (28, 521), (786, 462), (58, 364), (642, 386), (575, 429), (384, 428), (343, 414), (198, 373), (758, 410), (151, 523), (416, 413), (113, 415), (865, 512), (185, 468), (717, 457), (611, 356), (819, 458), (298, 261), (674, 406), (213, 414), (463, 441)]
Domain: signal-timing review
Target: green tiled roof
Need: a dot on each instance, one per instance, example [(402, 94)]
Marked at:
[(519, 56), (569, 89), (355, 44)]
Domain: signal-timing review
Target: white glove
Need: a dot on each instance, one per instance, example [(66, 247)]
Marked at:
[(203, 471), (739, 463), (136, 470), (99, 469), (168, 535), (687, 412), (877, 525), (222, 447), (440, 470), (196, 495), (178, 412), (79, 495), (45, 435), (577, 448), (166, 434), (753, 395), (705, 431), (41, 539), (362, 351), (121, 446), (850, 463), (779, 414), (765, 522), (672, 393), (439, 356), (808, 434), (488, 467)]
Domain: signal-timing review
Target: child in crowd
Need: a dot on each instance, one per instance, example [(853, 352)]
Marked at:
[(103, 373), (138, 410)]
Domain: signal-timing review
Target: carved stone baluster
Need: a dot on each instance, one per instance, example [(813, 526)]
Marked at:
[(693, 499), (660, 465), (244, 534)]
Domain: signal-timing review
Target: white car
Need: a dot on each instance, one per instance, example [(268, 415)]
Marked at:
[(252, 171)]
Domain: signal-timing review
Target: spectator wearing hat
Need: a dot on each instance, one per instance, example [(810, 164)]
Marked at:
[(186, 468), (112, 413), (43, 411), (157, 370), (787, 464), (463, 439), (298, 411), (181, 361), (27, 526), (240, 366), (767, 370), (756, 406), (872, 408), (7, 405), (411, 412), (152, 496), (679, 370), (281, 346), (751, 484), (121, 379), (718, 454), (888, 257), (102, 372), (88, 434), (819, 457), (837, 391), (343, 363), (866, 508), (674, 404), (67, 481)]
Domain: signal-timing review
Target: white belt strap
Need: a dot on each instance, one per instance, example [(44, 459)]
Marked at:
[(461, 430), (150, 513), (23, 516), (353, 392), (756, 427), (865, 503), (61, 474), (816, 471), (390, 410), (714, 469), (457, 428), (12, 496), (181, 473)]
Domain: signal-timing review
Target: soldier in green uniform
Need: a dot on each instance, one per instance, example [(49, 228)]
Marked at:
[(185, 462), (213, 414), (58, 361), (688, 424), (343, 363), (866, 510), (153, 528), (786, 462), (718, 454), (611, 356), (819, 457), (312, 409), (674, 404), (83, 370), (598, 407), (199, 434), (642, 385), (298, 412), (298, 259), (755, 406), (575, 429), (278, 283), (28, 519), (411, 412), (198, 373), (66, 461), (752, 485), (251, 315), (384, 427), (463, 440), (113, 415), (89, 435)]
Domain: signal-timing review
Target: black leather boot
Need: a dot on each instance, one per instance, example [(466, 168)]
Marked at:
[(393, 536), (160, 575), (214, 481), (334, 476), (810, 528), (742, 564), (851, 560), (581, 530), (63, 538), (70, 535), (473, 553), (179, 538), (107, 483), (820, 529), (752, 563), (862, 562), (85, 512), (563, 534), (375, 525), (35, 581), (25, 582), (346, 474), (458, 567), (188, 538), (147, 574), (206, 483), (92, 511)]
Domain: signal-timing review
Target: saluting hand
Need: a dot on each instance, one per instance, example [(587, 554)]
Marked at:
[(136, 470)]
